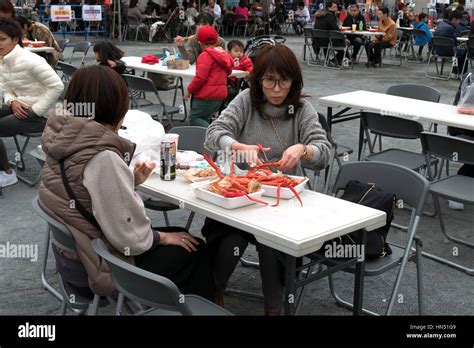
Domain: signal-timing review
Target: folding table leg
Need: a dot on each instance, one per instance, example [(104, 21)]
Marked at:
[(290, 285), (359, 281), (330, 118)]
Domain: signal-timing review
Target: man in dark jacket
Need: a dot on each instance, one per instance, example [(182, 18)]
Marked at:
[(447, 28), (355, 18), (326, 20)]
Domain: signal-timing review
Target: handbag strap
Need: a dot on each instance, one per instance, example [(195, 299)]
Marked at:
[(86, 214)]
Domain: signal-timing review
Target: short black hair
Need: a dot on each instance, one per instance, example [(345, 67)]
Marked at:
[(12, 29), (385, 10), (422, 16), (455, 15), (107, 51), (460, 8), (234, 43), (330, 3), (205, 18), (23, 21), (301, 4), (446, 13)]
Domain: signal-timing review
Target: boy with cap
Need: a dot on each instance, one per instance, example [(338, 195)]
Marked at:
[(209, 85)]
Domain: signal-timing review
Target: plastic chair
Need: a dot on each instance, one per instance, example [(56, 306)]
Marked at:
[(394, 127), (441, 42), (412, 189), (337, 43), (80, 47), (62, 238), (418, 92), (133, 23), (67, 69), (191, 138), (239, 23), (470, 53), (152, 290), (454, 187), (307, 45), (63, 44), (146, 85), (319, 48)]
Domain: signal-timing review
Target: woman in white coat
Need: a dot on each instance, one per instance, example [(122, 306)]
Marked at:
[(30, 87)]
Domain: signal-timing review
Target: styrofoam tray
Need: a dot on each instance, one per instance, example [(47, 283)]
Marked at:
[(226, 203), (285, 193)]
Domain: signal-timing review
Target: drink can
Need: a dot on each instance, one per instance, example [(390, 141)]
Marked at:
[(168, 160)]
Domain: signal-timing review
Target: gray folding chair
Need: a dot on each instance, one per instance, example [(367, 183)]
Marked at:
[(393, 127), (19, 163), (307, 45), (441, 42), (337, 43), (319, 48), (394, 53), (152, 290), (62, 238), (191, 138), (412, 189), (414, 34), (80, 47), (134, 24), (337, 151), (145, 85), (67, 69), (419, 92), (63, 44), (470, 53), (454, 187)]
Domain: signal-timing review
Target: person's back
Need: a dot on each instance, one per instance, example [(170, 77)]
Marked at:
[(325, 20), (448, 30), (422, 40)]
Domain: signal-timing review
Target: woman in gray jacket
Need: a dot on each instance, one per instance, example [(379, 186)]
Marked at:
[(272, 113)]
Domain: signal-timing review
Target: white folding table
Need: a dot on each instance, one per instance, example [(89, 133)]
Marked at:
[(43, 49), (294, 230), (384, 104)]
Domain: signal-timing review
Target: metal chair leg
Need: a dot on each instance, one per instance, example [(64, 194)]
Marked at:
[(419, 277), (167, 222), (46, 285)]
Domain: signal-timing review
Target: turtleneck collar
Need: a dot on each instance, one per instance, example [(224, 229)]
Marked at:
[(273, 111)]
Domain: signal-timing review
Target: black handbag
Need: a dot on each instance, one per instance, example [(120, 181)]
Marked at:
[(370, 196)]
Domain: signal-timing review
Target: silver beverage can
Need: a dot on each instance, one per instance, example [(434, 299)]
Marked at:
[(168, 160)]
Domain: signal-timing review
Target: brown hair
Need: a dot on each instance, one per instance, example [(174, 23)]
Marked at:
[(7, 7), (277, 59), (103, 87)]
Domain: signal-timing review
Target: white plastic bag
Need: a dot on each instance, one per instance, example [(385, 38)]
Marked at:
[(466, 99)]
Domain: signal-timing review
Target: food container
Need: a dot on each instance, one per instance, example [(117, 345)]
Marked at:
[(345, 28), (180, 64), (285, 193), (373, 30), (38, 43), (226, 203), (26, 43)]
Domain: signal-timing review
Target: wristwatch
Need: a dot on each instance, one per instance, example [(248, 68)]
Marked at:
[(305, 152)]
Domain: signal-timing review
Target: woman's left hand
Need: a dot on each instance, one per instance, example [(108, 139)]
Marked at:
[(111, 63), (142, 171), (291, 157), (186, 95)]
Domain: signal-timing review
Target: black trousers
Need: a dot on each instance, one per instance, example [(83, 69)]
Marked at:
[(190, 271), (374, 50), (357, 42)]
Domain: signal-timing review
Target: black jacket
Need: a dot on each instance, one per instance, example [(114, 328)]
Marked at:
[(351, 20), (325, 20)]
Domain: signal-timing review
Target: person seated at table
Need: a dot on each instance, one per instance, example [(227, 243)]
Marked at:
[(357, 19), (195, 49), (272, 112), (107, 54), (422, 41), (278, 16), (326, 20), (464, 24), (7, 10), (242, 10), (30, 88), (36, 31), (209, 85), (213, 8), (302, 18), (256, 17), (242, 63), (134, 12), (447, 28), (96, 169), (374, 48), (190, 12), (152, 8)]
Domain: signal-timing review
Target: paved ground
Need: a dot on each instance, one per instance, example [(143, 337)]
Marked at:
[(447, 291)]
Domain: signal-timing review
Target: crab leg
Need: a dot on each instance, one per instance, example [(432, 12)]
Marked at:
[(256, 200), (296, 194), (278, 196), (213, 165)]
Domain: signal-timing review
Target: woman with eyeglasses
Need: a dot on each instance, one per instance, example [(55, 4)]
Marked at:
[(272, 113)]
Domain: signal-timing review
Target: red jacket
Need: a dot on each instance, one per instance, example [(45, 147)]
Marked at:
[(212, 68), (244, 64)]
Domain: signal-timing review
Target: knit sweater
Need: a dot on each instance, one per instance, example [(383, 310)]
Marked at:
[(242, 122)]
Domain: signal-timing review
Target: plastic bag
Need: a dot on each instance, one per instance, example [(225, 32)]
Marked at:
[(466, 101)]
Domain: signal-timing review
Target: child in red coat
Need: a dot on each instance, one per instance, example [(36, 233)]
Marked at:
[(241, 62), (209, 85)]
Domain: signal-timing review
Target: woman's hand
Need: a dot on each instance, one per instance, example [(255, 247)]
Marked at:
[(142, 171), (182, 239), (249, 152), (20, 110), (111, 63), (179, 41), (291, 157)]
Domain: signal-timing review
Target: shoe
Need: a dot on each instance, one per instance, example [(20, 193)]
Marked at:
[(273, 312), (456, 205), (7, 179), (419, 56), (219, 298)]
